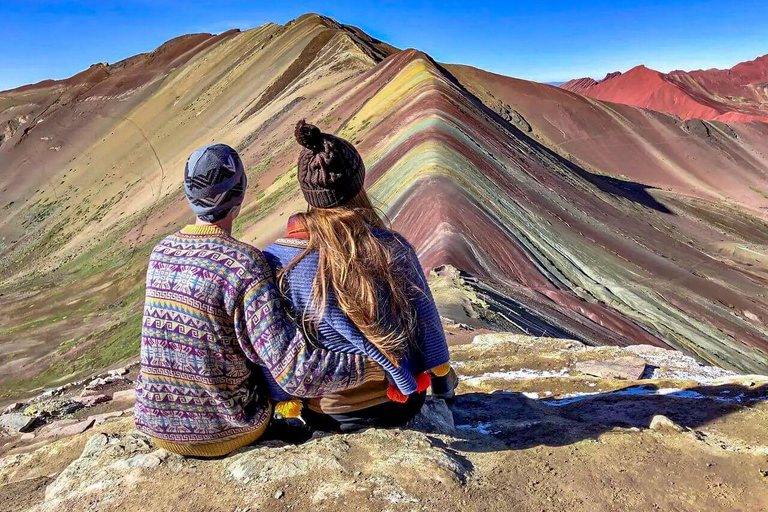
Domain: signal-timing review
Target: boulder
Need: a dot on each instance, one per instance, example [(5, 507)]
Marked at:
[(88, 392), (513, 116), (118, 372), (384, 468), (70, 429), (95, 383), (13, 407), (671, 364), (125, 393), (662, 423), (696, 127), (101, 418), (53, 407), (90, 401), (101, 382), (56, 425), (17, 422), (625, 367), (434, 417)]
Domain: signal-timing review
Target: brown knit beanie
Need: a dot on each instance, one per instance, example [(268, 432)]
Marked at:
[(331, 171)]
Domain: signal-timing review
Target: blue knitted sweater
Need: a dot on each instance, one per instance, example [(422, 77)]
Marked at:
[(336, 331)]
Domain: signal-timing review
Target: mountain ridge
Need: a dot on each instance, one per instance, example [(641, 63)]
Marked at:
[(736, 94), (566, 235)]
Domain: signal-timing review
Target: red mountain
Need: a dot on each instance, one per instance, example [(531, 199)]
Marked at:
[(738, 94)]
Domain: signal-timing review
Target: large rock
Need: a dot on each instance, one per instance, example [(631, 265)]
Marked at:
[(17, 422), (69, 429), (435, 417), (696, 127), (627, 367), (56, 425), (118, 372), (124, 394), (380, 468), (513, 116), (103, 382), (53, 407), (662, 423), (103, 417), (670, 364), (91, 400), (93, 467), (13, 407)]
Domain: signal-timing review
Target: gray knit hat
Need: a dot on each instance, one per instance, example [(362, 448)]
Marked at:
[(215, 181), (331, 171)]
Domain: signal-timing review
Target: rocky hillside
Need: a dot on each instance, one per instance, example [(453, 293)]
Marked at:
[(504, 180), (539, 424)]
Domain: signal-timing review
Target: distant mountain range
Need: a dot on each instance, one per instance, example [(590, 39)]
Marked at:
[(601, 222), (738, 94)]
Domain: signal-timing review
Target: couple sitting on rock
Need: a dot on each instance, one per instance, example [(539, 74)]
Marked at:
[(333, 322)]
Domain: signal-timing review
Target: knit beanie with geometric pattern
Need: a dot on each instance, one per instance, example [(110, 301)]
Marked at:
[(215, 181), (331, 171)]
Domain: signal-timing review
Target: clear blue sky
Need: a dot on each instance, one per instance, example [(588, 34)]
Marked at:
[(536, 39)]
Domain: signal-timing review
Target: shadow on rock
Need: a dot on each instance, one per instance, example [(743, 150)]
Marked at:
[(505, 420)]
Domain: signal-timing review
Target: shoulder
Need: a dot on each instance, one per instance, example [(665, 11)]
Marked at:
[(174, 239), (389, 235), (246, 250), (285, 249), (169, 243), (286, 245), (252, 260), (399, 245)]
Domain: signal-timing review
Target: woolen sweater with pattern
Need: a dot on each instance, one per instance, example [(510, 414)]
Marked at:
[(212, 314), (428, 348)]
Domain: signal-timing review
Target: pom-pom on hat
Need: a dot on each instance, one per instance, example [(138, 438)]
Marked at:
[(331, 171)]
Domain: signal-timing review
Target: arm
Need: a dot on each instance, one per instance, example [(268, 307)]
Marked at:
[(269, 338), (431, 337)]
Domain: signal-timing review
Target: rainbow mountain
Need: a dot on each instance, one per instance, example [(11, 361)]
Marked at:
[(565, 216)]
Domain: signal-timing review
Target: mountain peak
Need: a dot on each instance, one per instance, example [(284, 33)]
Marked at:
[(730, 95), (532, 210)]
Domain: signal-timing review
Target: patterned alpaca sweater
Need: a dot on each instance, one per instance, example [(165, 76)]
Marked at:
[(212, 314)]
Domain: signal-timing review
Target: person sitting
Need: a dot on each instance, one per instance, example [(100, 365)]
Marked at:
[(360, 287), (214, 324)]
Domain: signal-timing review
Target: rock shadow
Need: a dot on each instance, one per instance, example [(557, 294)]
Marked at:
[(505, 420)]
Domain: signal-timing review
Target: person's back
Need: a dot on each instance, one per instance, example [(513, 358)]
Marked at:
[(360, 287), (196, 381), (427, 350), (212, 316)]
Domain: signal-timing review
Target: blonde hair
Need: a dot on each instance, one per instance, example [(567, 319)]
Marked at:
[(362, 270)]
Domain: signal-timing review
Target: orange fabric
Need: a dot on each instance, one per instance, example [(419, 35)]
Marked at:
[(396, 395), (423, 381), (296, 229)]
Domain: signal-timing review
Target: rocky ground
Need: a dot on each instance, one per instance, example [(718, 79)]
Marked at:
[(539, 424)]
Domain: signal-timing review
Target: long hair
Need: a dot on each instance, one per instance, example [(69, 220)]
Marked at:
[(362, 271)]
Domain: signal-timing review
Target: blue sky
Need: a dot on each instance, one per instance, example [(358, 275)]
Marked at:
[(535, 39)]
